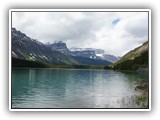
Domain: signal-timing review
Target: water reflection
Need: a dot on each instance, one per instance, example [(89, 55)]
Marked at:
[(72, 88)]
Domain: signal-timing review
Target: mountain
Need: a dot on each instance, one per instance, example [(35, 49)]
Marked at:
[(25, 49), (82, 52), (85, 53), (134, 59), (90, 61), (94, 53), (97, 51), (59, 46), (85, 56), (108, 57)]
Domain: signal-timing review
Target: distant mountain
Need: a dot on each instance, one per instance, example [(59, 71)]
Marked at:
[(94, 53), (59, 46), (97, 51), (88, 54), (90, 61), (108, 57), (134, 59), (26, 49)]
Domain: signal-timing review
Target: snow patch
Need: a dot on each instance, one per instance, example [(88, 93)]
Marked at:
[(14, 53), (99, 55)]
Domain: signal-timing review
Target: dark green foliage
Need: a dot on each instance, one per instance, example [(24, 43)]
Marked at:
[(134, 64), (25, 63), (133, 60), (107, 67), (31, 64)]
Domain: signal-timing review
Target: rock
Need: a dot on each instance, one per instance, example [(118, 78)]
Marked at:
[(143, 86)]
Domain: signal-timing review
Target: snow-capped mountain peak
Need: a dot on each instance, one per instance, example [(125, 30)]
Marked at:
[(94, 54)]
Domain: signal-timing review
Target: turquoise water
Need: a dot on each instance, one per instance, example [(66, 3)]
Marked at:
[(73, 88)]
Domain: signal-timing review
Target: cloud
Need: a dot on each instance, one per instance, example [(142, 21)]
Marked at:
[(115, 32)]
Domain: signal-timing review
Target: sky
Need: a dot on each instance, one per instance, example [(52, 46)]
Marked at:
[(115, 32)]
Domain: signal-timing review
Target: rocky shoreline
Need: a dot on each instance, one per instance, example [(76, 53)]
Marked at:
[(142, 98)]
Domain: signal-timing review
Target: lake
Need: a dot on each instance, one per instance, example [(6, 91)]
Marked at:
[(73, 88)]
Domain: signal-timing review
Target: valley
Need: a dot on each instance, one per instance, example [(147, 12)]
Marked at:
[(28, 52)]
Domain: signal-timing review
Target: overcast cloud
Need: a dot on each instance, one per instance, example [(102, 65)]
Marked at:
[(115, 32)]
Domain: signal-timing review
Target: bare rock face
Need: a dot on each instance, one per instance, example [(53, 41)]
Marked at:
[(60, 46)]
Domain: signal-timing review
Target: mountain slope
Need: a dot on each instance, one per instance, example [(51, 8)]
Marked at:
[(25, 48), (133, 59)]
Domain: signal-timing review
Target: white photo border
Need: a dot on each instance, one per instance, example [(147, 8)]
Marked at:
[(79, 10)]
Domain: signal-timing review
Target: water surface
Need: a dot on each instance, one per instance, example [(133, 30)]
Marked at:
[(73, 88)]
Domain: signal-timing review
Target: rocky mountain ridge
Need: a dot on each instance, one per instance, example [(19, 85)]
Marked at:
[(26, 48)]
